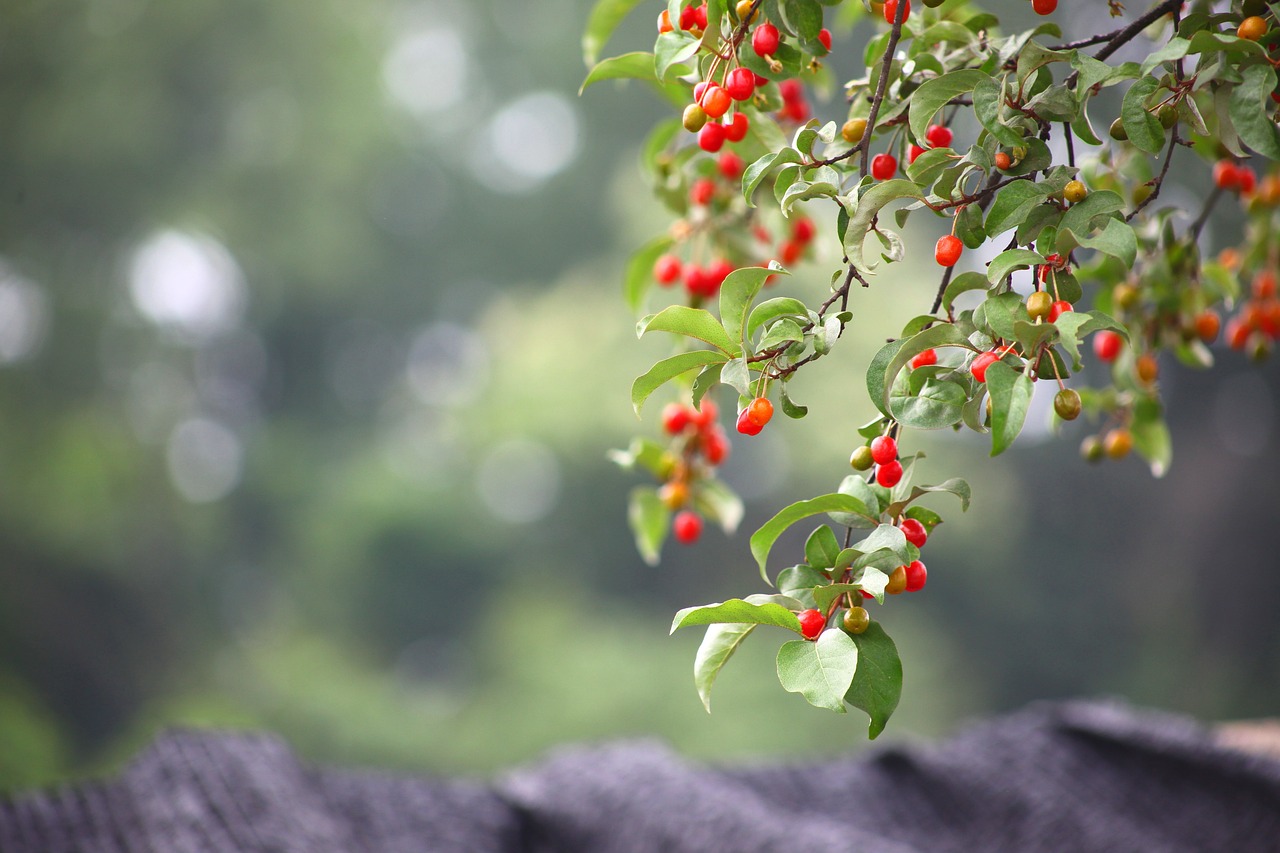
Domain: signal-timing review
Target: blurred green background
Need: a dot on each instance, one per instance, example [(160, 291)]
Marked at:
[(311, 350)]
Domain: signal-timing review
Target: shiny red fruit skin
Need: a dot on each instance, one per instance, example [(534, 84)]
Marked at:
[(1107, 344), (675, 418), (765, 40), (939, 136), (736, 130), (1226, 175), (891, 10), (1044, 7), (883, 167), (803, 230), (712, 136), (980, 365), (914, 531), (1058, 308), (889, 475), (760, 412), (740, 83), (811, 623), (715, 101), (667, 269), (913, 151), (948, 250), (824, 38), (687, 527), (746, 426), (926, 358), (730, 165), (884, 449), (702, 191), (917, 576)]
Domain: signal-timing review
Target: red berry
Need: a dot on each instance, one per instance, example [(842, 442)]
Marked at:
[(891, 10), (760, 81), (925, 358), (765, 39), (730, 165), (913, 151), (666, 269), (811, 623), (695, 279), (824, 38), (948, 250), (1044, 7), (711, 137), (980, 365), (688, 18), (917, 575), (884, 449), (1208, 324), (1107, 344), (790, 252), (700, 16), (675, 418), (1226, 175), (704, 417), (702, 191), (1237, 333), (883, 167), (715, 447), (715, 101), (740, 83), (797, 111), (889, 475), (760, 411), (736, 130), (803, 230), (791, 91), (939, 136), (664, 22), (1058, 308), (1003, 161), (1248, 181), (718, 272), (1264, 285), (687, 526), (914, 531), (746, 426)]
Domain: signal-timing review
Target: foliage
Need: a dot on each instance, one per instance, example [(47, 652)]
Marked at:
[(997, 134)]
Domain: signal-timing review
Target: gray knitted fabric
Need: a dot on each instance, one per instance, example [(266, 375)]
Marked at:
[(1075, 776)]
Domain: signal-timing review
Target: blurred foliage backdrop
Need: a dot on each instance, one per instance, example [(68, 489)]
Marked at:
[(310, 353)]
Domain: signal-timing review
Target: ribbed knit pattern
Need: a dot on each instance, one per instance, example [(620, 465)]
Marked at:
[(1076, 777)]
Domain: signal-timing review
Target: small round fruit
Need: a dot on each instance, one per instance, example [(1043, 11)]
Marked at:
[(760, 411), (939, 136), (1237, 333), (675, 418), (1075, 191), (730, 165), (914, 531), (1126, 296), (744, 11), (861, 459), (884, 449), (891, 10), (803, 231), (1107, 345), (917, 576), (746, 426), (948, 249), (702, 191), (1057, 309), (765, 40), (1117, 131), (1147, 368), (1226, 175), (1167, 115), (715, 446), (811, 623), (704, 417), (664, 22), (924, 359), (889, 475), (1141, 193), (1117, 443), (853, 130), (674, 494), (1039, 304), (711, 137), (740, 83), (1044, 7), (736, 129), (856, 620), (1264, 285), (1091, 449), (897, 581), (666, 270), (790, 252), (883, 167), (687, 527), (694, 118), (980, 364), (824, 38), (715, 101), (1003, 161), (1208, 324), (913, 152), (1252, 28), (1067, 404)]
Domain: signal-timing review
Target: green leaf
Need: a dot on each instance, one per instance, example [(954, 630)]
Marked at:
[(1116, 239), (738, 292), (1010, 396), (869, 205), (718, 503), (719, 644), (784, 331), (963, 283), (955, 486), (772, 610), (938, 404), (706, 379), (1012, 204), (636, 66), (771, 309), (1151, 436), (737, 376), (672, 50), (639, 275), (649, 519), (1143, 128), (604, 19), (927, 517), (691, 322), (1079, 217), (1175, 49), (936, 93), (877, 683), (798, 582), (1251, 110), (821, 671), (942, 335), (646, 453), (668, 369), (969, 226), (869, 515), (1013, 259), (762, 540), (804, 17), (756, 172), (821, 548), (887, 537), (877, 371), (986, 105)]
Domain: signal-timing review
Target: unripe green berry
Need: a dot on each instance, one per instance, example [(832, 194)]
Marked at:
[(1091, 449), (1168, 116), (861, 459), (856, 620), (1038, 304), (1118, 132), (694, 118), (1067, 404)]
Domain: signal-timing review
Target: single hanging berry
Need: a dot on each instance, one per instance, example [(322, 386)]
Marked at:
[(884, 449), (811, 623), (687, 527), (883, 167), (914, 531), (948, 250)]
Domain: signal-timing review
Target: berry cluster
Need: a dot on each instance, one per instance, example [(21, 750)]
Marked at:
[(1257, 326), (699, 444)]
